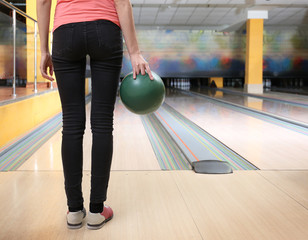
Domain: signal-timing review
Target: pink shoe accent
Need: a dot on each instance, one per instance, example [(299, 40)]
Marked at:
[(97, 220), (107, 213)]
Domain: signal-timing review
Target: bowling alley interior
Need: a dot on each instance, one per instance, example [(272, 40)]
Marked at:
[(224, 155)]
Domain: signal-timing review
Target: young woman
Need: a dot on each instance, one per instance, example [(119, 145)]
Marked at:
[(94, 28)]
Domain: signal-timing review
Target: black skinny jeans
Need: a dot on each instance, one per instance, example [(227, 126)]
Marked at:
[(102, 41)]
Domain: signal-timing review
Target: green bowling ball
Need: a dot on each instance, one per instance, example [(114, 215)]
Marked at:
[(142, 95)]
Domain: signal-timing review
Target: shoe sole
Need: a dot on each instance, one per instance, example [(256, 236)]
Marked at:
[(98, 226), (74, 226)]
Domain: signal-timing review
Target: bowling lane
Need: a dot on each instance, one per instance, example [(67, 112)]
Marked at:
[(132, 148), (287, 96), (264, 144), (297, 111), (291, 97)]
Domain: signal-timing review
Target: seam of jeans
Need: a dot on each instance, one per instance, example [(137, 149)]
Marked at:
[(85, 37)]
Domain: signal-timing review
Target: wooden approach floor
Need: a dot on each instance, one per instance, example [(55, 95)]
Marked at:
[(162, 205)]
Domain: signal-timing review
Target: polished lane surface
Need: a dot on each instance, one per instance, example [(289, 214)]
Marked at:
[(294, 110), (265, 144), (132, 148)]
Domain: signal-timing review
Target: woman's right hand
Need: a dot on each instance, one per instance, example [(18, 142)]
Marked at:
[(140, 65), (46, 62)]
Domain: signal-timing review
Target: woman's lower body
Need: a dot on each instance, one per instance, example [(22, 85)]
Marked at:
[(102, 41)]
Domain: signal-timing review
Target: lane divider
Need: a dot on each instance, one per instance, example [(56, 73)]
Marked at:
[(178, 136), (168, 154)]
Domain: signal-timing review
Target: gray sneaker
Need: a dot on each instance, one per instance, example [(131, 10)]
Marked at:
[(74, 219), (97, 220)]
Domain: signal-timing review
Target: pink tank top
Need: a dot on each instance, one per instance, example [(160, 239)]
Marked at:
[(69, 11)]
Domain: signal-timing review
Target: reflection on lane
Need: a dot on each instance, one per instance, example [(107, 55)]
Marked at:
[(283, 109)]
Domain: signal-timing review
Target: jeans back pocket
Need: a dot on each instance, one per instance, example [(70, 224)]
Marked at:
[(62, 39), (109, 35)]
